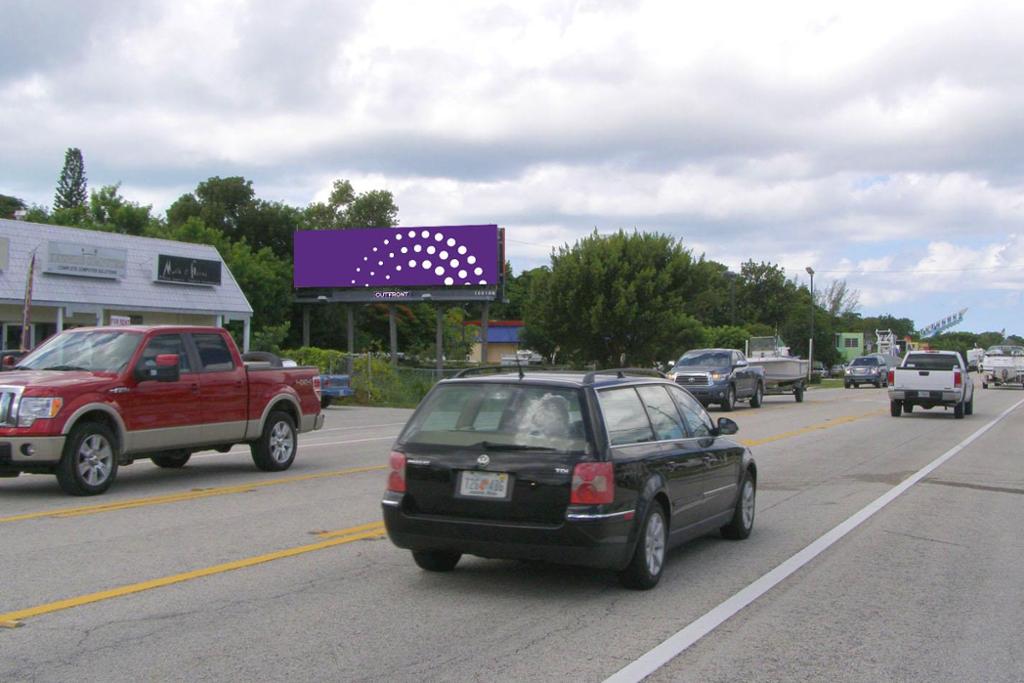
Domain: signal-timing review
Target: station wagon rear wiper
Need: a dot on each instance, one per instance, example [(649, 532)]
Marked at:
[(490, 445)]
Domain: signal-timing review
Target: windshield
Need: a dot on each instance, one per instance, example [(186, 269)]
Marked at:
[(95, 351), (490, 416), (865, 361), (716, 359), (1005, 351)]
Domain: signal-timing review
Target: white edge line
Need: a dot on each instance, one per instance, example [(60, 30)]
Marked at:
[(676, 644)]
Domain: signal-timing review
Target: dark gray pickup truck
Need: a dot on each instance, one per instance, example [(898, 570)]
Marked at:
[(721, 376)]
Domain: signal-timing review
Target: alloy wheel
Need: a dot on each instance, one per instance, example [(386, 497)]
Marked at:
[(95, 459), (654, 544), (282, 442)]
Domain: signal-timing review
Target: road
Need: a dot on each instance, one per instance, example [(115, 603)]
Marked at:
[(218, 571)]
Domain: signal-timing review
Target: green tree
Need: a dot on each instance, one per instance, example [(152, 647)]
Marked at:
[(71, 186), (764, 293), (109, 211), (345, 209), (8, 205), (615, 299)]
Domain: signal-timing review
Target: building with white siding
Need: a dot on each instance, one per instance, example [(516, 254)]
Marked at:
[(86, 277)]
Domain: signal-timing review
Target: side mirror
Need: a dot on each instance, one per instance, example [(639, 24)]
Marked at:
[(727, 427), (742, 364), (166, 369)]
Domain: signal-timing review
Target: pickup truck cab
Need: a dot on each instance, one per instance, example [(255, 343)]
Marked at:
[(722, 376), (92, 399), (926, 379)]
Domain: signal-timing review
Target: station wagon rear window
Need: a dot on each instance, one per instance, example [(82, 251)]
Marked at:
[(491, 415)]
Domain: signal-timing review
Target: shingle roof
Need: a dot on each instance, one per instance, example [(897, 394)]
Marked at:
[(136, 291)]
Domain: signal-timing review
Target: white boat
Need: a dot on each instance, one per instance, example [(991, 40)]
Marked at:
[(1002, 364), (783, 373)]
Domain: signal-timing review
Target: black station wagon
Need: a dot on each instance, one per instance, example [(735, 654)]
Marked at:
[(606, 469)]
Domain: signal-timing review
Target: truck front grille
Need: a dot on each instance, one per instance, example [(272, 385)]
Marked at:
[(9, 397), (700, 380)]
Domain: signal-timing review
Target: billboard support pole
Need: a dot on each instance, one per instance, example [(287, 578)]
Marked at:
[(439, 358), (305, 326), (351, 336), (393, 333), (483, 331)]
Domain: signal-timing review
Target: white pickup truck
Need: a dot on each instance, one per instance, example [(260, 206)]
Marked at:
[(926, 379)]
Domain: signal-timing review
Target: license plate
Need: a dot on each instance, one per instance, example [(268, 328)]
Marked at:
[(484, 484)]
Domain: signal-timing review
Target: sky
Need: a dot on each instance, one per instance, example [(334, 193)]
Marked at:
[(877, 142)]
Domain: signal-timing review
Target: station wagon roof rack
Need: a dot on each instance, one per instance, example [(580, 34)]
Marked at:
[(623, 372), (496, 369)]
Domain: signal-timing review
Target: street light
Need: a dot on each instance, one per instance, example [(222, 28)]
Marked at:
[(810, 347)]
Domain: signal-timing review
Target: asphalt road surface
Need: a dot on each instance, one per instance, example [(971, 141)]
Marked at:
[(219, 572)]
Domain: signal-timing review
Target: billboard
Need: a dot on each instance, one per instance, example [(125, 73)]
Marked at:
[(440, 256)]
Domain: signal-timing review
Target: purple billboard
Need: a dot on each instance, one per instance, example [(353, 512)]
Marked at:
[(445, 256)]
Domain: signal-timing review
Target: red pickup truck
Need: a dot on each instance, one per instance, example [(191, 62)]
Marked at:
[(94, 398)]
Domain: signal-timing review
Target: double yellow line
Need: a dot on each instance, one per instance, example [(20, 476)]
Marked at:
[(828, 424), (333, 538)]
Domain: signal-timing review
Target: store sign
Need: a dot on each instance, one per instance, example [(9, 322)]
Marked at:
[(5, 248), (120, 320), (188, 271), (83, 260)]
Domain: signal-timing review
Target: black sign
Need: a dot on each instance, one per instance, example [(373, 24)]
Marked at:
[(191, 271)]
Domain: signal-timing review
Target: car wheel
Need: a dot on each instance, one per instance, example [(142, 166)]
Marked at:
[(895, 408), (984, 385), (758, 398), (798, 393), (958, 411), (846, 385), (742, 522), (171, 461), (436, 560), (88, 465), (274, 451), (730, 399), (325, 401), (644, 570)]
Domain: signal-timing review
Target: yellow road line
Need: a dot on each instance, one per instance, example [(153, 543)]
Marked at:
[(835, 422), (188, 495), (14, 619), (344, 532)]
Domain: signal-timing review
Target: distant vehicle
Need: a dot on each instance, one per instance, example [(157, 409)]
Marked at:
[(1003, 364), (92, 399), (819, 370), (974, 358), (334, 386), (838, 370), (870, 369), (927, 379), (606, 469), (722, 376)]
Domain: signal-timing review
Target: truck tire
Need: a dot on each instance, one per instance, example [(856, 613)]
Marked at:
[(324, 402), (171, 461), (895, 408), (798, 393), (275, 450), (958, 411), (730, 399), (757, 400), (88, 465)]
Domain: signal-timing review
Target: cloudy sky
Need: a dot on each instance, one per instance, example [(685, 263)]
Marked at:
[(878, 142)]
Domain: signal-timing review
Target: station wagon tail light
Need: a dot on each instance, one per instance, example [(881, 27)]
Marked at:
[(396, 472), (592, 483), (316, 386), (892, 376), (957, 378)]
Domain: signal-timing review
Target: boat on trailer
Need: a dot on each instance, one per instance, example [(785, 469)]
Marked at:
[(783, 373)]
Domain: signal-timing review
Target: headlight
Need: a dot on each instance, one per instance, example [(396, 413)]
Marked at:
[(33, 408), (672, 376), (715, 376)]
